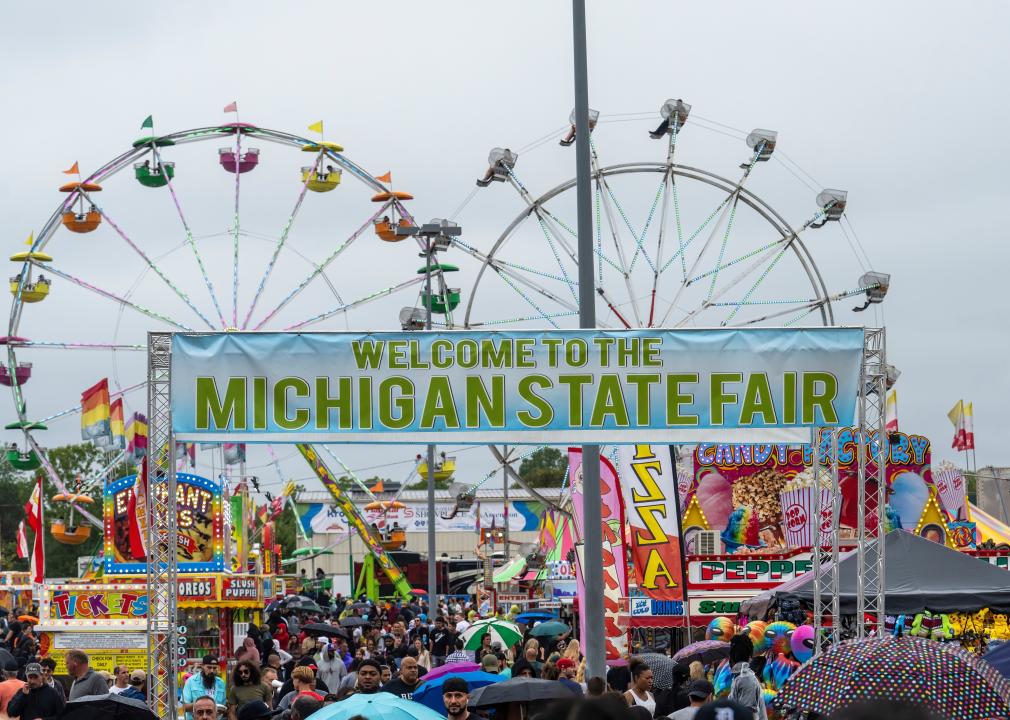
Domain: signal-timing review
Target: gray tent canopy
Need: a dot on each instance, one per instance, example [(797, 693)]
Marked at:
[(922, 575)]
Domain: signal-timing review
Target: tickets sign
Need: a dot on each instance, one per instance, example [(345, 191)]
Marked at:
[(591, 386)]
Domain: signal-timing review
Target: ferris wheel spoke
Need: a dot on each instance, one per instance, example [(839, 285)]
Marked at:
[(54, 476), (356, 303), (150, 263), (321, 267), (547, 235), (668, 181), (278, 247), (613, 308), (639, 239), (191, 242), (528, 299), (123, 302), (53, 345), (681, 252), (625, 274)]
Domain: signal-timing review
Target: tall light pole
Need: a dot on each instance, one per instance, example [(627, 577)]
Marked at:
[(437, 235), (592, 535)]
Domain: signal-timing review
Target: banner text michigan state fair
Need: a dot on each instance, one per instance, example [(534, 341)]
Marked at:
[(634, 386)]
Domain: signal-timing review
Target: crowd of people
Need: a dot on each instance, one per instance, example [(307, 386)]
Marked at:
[(297, 662)]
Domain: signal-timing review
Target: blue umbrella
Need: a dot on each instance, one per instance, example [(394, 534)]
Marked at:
[(376, 706), (533, 616), (999, 658), (430, 693)]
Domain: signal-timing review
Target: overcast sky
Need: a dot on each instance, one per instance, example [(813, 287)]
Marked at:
[(902, 104)]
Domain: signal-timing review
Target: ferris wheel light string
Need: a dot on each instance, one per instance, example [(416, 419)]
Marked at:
[(696, 233), (280, 244), (360, 301), (740, 259), (192, 244), (321, 267), (115, 298), (557, 257), (523, 295), (150, 263), (648, 222), (732, 217)]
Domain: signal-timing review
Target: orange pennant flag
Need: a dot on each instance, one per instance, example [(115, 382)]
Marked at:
[(388, 177), (378, 487), (73, 170)]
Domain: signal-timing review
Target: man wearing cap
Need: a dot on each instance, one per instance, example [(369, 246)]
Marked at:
[(35, 699), (456, 695), (566, 666), (10, 683), (723, 710), (255, 710), (204, 683), (138, 678), (699, 692)]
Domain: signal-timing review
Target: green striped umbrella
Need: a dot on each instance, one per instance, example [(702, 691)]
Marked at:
[(500, 631)]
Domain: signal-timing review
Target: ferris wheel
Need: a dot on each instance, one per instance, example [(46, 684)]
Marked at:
[(203, 230), (675, 244)]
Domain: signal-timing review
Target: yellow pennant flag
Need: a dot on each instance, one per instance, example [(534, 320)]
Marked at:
[(31, 239), (956, 414), (317, 127)]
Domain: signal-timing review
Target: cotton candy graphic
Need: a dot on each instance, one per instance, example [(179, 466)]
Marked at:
[(715, 496)]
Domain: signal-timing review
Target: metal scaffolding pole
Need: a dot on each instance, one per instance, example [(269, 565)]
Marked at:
[(871, 487), (162, 531), (592, 534), (825, 556)]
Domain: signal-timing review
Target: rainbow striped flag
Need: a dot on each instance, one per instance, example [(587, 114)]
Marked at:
[(95, 411), (136, 436), (118, 425)]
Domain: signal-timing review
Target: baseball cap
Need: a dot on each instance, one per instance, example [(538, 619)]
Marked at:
[(455, 684), (720, 710), (700, 689), (565, 663), (210, 660), (138, 676), (33, 669)]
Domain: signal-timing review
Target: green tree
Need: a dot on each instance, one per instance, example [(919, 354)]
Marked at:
[(545, 468), (15, 488)]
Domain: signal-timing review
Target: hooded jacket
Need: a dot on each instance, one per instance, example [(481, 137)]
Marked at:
[(746, 690)]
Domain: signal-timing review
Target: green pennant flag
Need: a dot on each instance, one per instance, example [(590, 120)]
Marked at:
[(148, 122)]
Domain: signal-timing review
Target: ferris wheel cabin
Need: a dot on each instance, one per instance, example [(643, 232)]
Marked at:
[(81, 220), (674, 114), (235, 162), (568, 139), (500, 163)]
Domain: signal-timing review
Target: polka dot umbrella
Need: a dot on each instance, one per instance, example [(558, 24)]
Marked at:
[(950, 681)]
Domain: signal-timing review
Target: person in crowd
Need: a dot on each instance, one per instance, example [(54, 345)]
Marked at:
[(48, 668), (489, 664), (86, 681), (456, 695), (727, 710), (566, 669), (531, 652), (248, 651), (304, 706), (246, 686), (595, 686), (696, 671), (420, 652), (640, 692), (330, 664), (549, 671), (204, 708), (385, 674), (442, 641), (303, 679), (745, 688), (308, 662), (35, 699), (369, 677), (137, 691), (458, 654), (255, 710), (120, 680), (350, 680), (521, 668), (699, 692), (206, 682), (10, 684), (405, 685)]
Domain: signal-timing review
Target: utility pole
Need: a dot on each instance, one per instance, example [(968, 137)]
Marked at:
[(437, 236), (592, 535)]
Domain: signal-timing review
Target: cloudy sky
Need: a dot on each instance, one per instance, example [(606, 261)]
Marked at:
[(902, 104)]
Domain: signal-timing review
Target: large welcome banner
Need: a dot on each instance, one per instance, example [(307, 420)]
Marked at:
[(560, 387)]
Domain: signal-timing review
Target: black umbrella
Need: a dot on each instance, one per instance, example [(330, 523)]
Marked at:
[(662, 669), (7, 661), (353, 621), (519, 690), (361, 606), (106, 707), (306, 605), (323, 629)]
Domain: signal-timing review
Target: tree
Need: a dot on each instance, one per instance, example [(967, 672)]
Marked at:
[(15, 488), (545, 468)]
